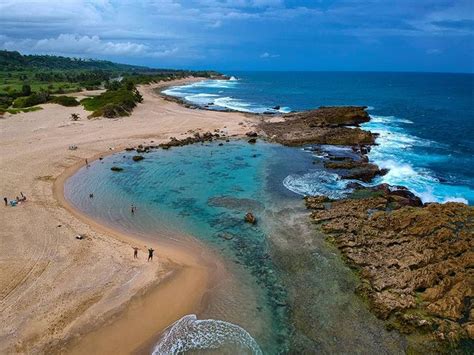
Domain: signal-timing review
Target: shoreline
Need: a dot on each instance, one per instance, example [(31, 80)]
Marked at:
[(187, 275), (99, 271)]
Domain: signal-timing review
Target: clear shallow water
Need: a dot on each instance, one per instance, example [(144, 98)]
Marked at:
[(425, 120), (292, 290)]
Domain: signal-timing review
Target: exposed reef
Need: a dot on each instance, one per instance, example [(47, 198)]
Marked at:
[(416, 261), (325, 125)]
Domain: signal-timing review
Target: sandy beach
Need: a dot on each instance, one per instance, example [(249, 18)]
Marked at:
[(62, 294)]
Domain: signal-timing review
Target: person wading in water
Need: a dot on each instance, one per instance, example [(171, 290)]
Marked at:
[(150, 254)]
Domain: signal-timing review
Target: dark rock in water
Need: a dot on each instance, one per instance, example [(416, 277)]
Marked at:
[(250, 218), (138, 157), (355, 170), (234, 203), (415, 260), (276, 107), (196, 138), (221, 144), (252, 140), (129, 149), (226, 235), (354, 185), (116, 168), (251, 134)]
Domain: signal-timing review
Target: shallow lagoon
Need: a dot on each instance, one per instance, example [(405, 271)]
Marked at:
[(291, 289)]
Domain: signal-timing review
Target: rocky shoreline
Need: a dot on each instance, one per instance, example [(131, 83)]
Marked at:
[(415, 260)]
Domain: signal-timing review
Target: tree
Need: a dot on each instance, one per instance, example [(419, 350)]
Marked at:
[(26, 90), (75, 116)]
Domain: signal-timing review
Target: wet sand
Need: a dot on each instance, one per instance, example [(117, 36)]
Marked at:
[(61, 294)]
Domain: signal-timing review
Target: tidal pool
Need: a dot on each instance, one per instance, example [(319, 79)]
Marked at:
[(291, 292)]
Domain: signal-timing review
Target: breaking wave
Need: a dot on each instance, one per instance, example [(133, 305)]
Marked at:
[(317, 183), (189, 333), (217, 97), (406, 157)]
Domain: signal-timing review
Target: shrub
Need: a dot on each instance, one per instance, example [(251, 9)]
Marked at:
[(65, 101), (33, 99), (26, 90), (113, 103)]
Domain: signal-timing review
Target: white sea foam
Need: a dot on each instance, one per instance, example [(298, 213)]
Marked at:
[(397, 151), (233, 104), (201, 99), (316, 183), (189, 333)]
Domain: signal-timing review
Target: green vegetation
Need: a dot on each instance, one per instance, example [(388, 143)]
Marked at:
[(32, 100), (65, 101), (14, 111), (28, 80), (117, 101)]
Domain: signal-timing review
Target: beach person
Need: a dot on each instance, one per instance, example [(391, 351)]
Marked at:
[(6, 201), (135, 252), (87, 163), (91, 195), (133, 209), (150, 254)]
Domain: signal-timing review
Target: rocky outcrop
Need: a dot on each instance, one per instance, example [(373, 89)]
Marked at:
[(416, 261), (355, 169), (326, 125), (196, 138)]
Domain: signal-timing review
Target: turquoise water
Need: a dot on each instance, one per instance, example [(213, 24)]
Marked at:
[(425, 120), (291, 291)]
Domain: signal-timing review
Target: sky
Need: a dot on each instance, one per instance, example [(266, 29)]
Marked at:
[(372, 35)]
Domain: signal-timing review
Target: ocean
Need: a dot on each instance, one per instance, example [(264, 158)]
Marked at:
[(425, 120)]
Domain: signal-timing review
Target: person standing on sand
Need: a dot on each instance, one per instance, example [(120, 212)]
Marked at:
[(150, 254), (135, 252), (6, 201), (87, 163)]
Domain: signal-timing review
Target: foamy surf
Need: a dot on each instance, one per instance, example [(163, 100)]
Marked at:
[(189, 333), (397, 152), (317, 183)]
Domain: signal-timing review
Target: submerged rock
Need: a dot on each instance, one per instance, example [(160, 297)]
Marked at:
[(250, 218), (138, 157), (116, 168)]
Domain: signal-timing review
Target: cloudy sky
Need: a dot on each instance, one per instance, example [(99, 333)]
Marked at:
[(403, 35)]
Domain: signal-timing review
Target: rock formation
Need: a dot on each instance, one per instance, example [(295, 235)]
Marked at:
[(326, 125), (416, 261)]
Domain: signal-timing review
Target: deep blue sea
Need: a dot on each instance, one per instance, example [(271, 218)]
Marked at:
[(425, 120)]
